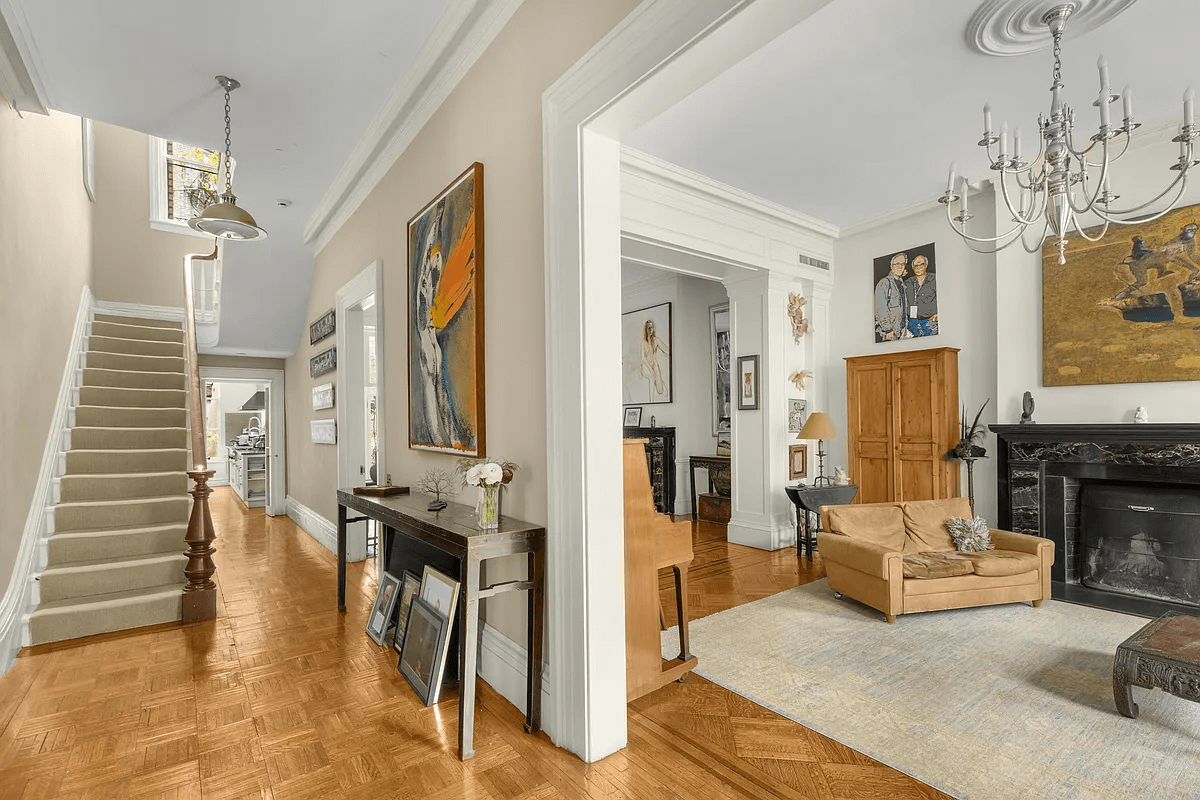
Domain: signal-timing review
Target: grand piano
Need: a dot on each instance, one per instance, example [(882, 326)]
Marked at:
[(652, 542)]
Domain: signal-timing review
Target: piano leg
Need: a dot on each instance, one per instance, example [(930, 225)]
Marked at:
[(681, 603)]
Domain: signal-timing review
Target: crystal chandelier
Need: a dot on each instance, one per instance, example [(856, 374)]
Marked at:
[(1056, 188)]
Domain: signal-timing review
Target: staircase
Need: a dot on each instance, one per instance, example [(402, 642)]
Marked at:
[(115, 558)]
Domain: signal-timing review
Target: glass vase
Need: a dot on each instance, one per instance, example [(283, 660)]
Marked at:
[(489, 507)]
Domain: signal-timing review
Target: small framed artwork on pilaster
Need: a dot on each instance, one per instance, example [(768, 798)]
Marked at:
[(747, 386), (797, 462)]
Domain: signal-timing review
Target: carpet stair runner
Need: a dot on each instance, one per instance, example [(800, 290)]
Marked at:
[(115, 559)]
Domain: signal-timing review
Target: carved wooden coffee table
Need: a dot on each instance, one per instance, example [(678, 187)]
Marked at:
[(1165, 654)]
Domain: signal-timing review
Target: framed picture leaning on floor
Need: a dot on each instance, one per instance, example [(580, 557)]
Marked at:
[(379, 621), (422, 659)]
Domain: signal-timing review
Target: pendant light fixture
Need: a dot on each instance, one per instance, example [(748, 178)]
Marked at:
[(226, 220)]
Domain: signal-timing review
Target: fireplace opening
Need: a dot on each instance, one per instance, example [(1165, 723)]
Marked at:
[(1141, 540)]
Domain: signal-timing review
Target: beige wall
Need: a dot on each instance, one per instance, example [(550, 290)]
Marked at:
[(134, 264), (45, 261), (240, 362), (494, 116)]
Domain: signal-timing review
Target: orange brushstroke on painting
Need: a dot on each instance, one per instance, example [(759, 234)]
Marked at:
[(458, 278)]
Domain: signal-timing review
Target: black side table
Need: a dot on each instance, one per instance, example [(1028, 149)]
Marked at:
[(808, 500)]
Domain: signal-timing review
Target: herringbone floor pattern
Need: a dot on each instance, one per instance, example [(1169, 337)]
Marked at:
[(282, 697)]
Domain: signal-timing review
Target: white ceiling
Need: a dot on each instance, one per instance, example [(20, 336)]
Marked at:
[(314, 75), (859, 110)]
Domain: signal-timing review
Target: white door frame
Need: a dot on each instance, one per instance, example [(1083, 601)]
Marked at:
[(369, 281), (276, 425), (660, 53)]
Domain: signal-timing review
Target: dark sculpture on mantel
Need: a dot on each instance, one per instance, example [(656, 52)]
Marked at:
[(1027, 409)]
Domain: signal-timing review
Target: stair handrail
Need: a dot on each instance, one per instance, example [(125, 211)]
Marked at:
[(200, 593)]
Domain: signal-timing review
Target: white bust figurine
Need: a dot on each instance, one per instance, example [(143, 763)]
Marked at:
[(840, 478), (1140, 415)]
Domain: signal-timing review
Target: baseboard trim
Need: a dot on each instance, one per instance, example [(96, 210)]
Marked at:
[(316, 526), (173, 313), (18, 601), (504, 665), (763, 537)]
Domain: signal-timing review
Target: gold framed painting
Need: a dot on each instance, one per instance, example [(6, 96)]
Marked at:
[(1125, 309), (445, 320)]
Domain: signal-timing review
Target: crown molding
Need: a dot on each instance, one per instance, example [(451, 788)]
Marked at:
[(664, 172), (463, 32), (20, 76)]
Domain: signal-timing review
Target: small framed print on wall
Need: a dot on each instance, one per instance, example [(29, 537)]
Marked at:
[(798, 462), (322, 397), (633, 417), (747, 386)]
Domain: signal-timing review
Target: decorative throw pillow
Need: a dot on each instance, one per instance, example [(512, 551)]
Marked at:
[(970, 535)]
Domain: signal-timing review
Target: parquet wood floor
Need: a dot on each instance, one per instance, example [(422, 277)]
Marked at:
[(282, 697)]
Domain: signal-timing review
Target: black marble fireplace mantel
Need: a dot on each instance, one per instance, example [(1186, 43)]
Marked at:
[(1040, 469)]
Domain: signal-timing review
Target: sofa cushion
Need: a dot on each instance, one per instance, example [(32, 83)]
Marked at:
[(937, 565), (999, 563), (877, 523), (970, 535), (925, 524)]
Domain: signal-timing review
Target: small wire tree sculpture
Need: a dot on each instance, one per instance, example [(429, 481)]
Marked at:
[(436, 482)]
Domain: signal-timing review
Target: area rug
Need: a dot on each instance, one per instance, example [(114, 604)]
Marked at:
[(998, 702)]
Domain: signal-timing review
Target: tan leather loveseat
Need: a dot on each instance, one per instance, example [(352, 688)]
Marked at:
[(864, 546)]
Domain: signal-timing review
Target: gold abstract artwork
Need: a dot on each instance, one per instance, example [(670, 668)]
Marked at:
[(1125, 309)]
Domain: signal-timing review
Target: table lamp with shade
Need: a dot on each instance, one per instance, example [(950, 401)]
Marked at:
[(820, 427)]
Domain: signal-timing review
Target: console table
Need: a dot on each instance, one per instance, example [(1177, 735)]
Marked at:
[(713, 465), (808, 500), (454, 531)]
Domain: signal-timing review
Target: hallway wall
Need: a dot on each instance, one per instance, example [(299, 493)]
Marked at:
[(494, 116), (45, 262), (134, 263)]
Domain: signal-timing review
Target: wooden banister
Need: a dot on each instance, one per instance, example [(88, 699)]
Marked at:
[(200, 593)]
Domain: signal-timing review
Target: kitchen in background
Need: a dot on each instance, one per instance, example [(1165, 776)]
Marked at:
[(237, 438)]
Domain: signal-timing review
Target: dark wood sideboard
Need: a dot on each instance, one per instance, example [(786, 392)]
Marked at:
[(660, 458)]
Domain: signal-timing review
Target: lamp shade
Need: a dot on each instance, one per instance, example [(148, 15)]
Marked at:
[(818, 426), (226, 220)]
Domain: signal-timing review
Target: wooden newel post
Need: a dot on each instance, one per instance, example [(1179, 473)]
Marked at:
[(200, 594)]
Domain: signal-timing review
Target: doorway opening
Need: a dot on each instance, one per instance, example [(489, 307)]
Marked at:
[(359, 396), (244, 432)]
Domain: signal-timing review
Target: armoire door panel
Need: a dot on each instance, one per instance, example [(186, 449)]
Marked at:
[(918, 479), (914, 401), (874, 479), (872, 420)]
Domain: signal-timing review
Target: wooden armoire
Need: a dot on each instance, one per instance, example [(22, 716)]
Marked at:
[(901, 417)]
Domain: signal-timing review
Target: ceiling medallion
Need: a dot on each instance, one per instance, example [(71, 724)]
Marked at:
[(1015, 27)]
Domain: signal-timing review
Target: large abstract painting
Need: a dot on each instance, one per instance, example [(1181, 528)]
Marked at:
[(646, 355), (906, 294), (445, 320), (1125, 309)]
